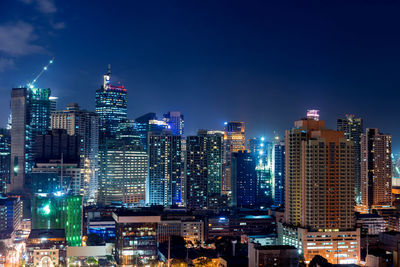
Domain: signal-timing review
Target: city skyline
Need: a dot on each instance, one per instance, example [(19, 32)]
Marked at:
[(212, 58)]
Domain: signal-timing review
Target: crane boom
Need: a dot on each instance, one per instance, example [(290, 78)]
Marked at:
[(32, 83)]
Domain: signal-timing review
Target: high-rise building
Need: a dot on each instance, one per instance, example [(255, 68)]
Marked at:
[(84, 124), (123, 173), (262, 152), (10, 214), (319, 205), (59, 211), (111, 105), (234, 141), (5, 159), (353, 128), (244, 179), (279, 173), (148, 123), (214, 153), (196, 172), (376, 169), (175, 122), (56, 144), (165, 168), (30, 109)]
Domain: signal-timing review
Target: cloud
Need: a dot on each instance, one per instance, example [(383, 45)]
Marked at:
[(46, 6), (58, 25), (16, 39), (6, 63)]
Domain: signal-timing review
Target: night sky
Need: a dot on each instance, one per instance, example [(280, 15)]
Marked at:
[(261, 62)]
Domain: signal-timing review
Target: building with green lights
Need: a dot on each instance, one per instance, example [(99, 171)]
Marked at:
[(58, 211)]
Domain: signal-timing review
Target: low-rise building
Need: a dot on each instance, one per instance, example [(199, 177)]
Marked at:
[(272, 255), (371, 224)]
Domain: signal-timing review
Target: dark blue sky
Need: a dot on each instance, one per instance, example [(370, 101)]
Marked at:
[(261, 62)]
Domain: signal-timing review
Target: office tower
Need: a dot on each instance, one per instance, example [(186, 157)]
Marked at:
[(165, 168), (127, 131), (10, 214), (5, 159), (59, 211), (262, 152), (319, 204), (376, 169), (111, 105), (148, 123), (53, 103), (30, 110), (244, 179), (56, 176), (175, 122), (353, 128), (234, 141), (123, 173), (279, 173), (84, 124), (196, 172), (58, 145), (136, 238)]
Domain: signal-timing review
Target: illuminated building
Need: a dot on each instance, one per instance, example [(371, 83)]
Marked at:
[(353, 129), (165, 168), (123, 173), (196, 172), (84, 124), (136, 237), (59, 211), (46, 247), (376, 169), (10, 214), (319, 205), (175, 122), (263, 153), (279, 173), (111, 105), (214, 154), (244, 179), (234, 141), (143, 127), (46, 177), (272, 255), (30, 110), (190, 230), (5, 158)]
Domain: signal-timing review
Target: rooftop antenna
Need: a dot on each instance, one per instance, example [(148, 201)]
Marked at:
[(109, 69), (31, 84)]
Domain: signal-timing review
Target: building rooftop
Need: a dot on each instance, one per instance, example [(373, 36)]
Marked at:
[(276, 247), (47, 233)]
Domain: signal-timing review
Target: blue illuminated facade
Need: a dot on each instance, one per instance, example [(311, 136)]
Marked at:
[(111, 105), (244, 179), (279, 172)]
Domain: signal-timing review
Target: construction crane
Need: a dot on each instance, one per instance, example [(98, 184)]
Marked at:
[(31, 84)]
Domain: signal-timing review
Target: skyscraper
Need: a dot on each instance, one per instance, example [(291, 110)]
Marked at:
[(376, 169), (5, 159), (196, 172), (279, 173), (353, 129), (111, 105), (234, 141), (175, 122), (148, 123), (165, 168), (30, 110), (244, 179), (319, 205), (262, 152), (84, 124), (123, 173)]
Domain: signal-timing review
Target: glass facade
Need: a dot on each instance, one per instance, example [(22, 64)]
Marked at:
[(5, 158), (58, 211)]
